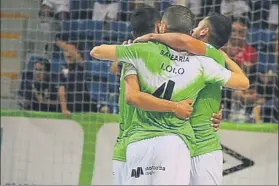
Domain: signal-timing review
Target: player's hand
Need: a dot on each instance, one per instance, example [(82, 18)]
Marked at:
[(66, 113), (184, 109), (127, 42), (143, 38), (114, 68), (217, 119)]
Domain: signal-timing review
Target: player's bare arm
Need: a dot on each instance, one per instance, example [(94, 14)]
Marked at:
[(139, 99), (231, 65), (147, 102), (238, 77), (177, 41), (104, 52), (238, 80), (216, 73), (114, 66)]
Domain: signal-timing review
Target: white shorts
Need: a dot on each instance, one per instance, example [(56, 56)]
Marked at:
[(101, 11), (207, 169), (163, 160), (118, 172), (58, 5)]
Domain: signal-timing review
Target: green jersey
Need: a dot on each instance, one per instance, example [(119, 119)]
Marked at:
[(126, 114), (207, 103), (170, 75)]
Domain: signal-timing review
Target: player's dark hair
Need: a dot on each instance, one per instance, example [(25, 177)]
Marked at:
[(220, 29), (43, 62), (143, 20), (179, 19)]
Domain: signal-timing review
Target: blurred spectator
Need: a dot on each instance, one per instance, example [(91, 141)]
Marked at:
[(235, 8), (202, 8), (55, 8), (260, 102), (38, 88), (160, 5), (266, 108), (127, 6), (243, 103), (105, 10), (195, 6), (244, 54), (73, 91), (273, 15), (51, 13)]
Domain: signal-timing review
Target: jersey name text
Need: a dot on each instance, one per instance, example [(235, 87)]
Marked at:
[(174, 57)]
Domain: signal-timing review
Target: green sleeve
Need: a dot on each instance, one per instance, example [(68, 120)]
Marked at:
[(215, 54), (214, 72), (127, 53)]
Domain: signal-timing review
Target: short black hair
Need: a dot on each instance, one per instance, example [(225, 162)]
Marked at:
[(143, 20), (44, 62), (220, 29), (179, 19)]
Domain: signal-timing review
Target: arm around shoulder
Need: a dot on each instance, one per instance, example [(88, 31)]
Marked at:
[(104, 52), (181, 42), (238, 81)]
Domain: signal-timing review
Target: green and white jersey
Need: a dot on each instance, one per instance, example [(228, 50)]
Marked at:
[(207, 103), (170, 75), (126, 114)]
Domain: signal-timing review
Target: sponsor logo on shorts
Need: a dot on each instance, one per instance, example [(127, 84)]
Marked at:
[(150, 170), (137, 172)]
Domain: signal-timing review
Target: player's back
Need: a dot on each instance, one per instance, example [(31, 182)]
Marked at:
[(207, 103), (166, 74)]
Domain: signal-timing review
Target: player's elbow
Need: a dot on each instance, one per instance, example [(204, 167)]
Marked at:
[(96, 52), (238, 81), (131, 99), (246, 83)]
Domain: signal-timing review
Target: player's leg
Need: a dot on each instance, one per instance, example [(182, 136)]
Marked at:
[(118, 172), (138, 156), (207, 169), (158, 161), (172, 154)]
